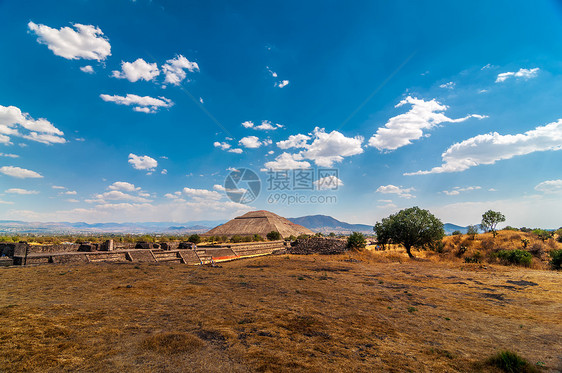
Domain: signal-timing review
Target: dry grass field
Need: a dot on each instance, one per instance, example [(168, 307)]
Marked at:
[(361, 312)]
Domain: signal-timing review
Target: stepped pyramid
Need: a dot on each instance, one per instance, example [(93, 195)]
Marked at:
[(259, 222)]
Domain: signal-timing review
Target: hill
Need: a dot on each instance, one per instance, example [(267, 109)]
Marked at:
[(326, 224)]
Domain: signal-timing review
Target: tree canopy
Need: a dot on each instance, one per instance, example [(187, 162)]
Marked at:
[(412, 227), (490, 220)]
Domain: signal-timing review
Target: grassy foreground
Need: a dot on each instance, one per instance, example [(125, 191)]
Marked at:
[(365, 312)]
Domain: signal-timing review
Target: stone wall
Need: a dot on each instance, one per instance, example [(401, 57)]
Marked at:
[(318, 245)]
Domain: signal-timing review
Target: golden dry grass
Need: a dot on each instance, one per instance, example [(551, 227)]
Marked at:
[(365, 312)]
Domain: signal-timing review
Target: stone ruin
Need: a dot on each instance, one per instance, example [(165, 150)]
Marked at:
[(318, 245)]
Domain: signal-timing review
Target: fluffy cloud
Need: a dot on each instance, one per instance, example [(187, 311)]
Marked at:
[(142, 162), (328, 183), (9, 155), (124, 186), (294, 141), (286, 161), (253, 142), (458, 190), (144, 104), (235, 150), (522, 73), (20, 191), (87, 69), (174, 69), (202, 194), (399, 191), (329, 148), (117, 195), (227, 147), (402, 129), (13, 121), (20, 173), (550, 186), (138, 70), (492, 147), (282, 83), (265, 125), (85, 41)]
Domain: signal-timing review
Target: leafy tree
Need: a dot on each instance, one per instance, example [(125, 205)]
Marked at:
[(194, 238), (472, 231), (412, 227), (542, 234), (356, 240), (332, 234), (490, 220), (273, 236), (456, 233)]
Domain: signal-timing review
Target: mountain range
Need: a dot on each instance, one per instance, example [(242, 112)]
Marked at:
[(317, 223)]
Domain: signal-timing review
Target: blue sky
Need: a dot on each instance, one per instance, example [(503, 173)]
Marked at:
[(138, 110)]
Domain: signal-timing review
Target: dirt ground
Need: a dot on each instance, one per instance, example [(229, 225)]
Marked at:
[(360, 313)]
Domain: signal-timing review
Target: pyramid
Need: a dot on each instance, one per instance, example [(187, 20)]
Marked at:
[(259, 222)]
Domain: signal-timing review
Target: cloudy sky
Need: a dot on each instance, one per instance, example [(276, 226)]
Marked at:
[(138, 110)]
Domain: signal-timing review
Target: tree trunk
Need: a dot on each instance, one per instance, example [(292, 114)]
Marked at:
[(409, 251)]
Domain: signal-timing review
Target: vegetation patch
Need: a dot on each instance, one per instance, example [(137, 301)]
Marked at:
[(511, 362), (517, 257), (172, 343)]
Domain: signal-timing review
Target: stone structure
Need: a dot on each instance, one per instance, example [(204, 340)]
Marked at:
[(261, 223), (318, 245)]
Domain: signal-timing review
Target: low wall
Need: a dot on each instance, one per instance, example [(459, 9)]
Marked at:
[(318, 245)]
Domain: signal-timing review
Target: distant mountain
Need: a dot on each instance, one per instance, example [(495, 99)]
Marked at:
[(23, 227), (326, 224), (450, 228)]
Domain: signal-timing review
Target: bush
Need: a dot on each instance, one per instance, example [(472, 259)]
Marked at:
[(456, 233), (556, 261), (274, 236), (518, 257), (356, 240), (472, 231), (542, 234), (236, 239), (537, 249), (511, 362), (257, 238), (194, 238), (475, 258)]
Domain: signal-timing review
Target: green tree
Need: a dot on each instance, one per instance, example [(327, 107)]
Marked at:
[(490, 220), (356, 240), (413, 227), (472, 231), (194, 238), (543, 234), (273, 236)]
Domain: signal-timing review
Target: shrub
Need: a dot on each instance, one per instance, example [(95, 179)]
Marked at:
[(475, 258), (542, 234), (518, 257), (257, 238), (236, 239), (303, 237), (356, 240), (472, 231), (273, 236), (510, 228), (556, 261), (511, 362), (461, 251), (194, 238), (525, 242), (537, 250), (456, 233)]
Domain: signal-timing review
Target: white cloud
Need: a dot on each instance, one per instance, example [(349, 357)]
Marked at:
[(138, 70), (492, 147), (87, 69), (265, 125), (328, 183), (6, 202), (174, 69), (142, 162), (85, 41), (70, 192), (402, 129), (20, 191), (164, 172), (550, 186), (58, 187), (202, 194), (253, 142), (235, 150), (399, 191), (220, 188), (294, 141), (13, 120), (522, 73), (124, 186), (8, 155), (144, 104), (458, 190), (282, 83), (286, 161), (222, 145), (72, 200), (117, 195), (327, 148), (449, 85), (273, 73), (20, 173)]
